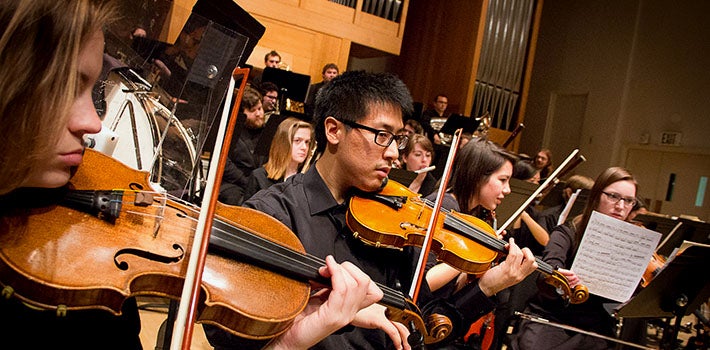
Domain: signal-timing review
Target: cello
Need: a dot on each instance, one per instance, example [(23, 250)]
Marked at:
[(79, 248)]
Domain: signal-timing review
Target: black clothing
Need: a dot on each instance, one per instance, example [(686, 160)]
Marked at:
[(427, 116), (449, 202), (524, 238), (428, 185), (43, 329), (241, 162), (91, 329), (258, 181), (304, 203), (590, 315), (548, 218)]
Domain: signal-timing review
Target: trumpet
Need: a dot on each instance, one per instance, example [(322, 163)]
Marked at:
[(284, 66)]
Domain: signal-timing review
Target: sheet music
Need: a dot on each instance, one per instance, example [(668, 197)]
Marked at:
[(683, 246), (613, 256)]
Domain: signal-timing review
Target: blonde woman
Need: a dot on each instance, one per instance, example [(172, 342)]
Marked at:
[(47, 109), (289, 150)]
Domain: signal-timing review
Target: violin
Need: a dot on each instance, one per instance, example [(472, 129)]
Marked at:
[(654, 266), (93, 249), (396, 217)]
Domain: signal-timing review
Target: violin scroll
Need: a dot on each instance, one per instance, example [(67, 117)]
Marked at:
[(576, 295), (437, 327)]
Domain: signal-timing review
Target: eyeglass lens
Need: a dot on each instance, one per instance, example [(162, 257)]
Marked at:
[(616, 198)]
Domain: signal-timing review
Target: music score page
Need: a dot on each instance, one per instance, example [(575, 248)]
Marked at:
[(613, 256)]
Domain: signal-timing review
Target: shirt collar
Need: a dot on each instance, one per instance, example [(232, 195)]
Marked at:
[(318, 194)]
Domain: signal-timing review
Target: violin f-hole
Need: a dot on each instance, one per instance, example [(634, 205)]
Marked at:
[(123, 265)]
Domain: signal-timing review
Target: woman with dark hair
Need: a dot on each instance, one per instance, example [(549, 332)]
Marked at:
[(478, 185), (613, 194)]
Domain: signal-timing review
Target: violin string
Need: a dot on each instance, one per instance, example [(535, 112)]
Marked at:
[(483, 238), (314, 262), (469, 230)]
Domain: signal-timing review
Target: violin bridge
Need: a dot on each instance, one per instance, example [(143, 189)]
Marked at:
[(143, 199), (159, 217)]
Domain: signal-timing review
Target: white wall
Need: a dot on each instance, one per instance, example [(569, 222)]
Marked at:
[(644, 63)]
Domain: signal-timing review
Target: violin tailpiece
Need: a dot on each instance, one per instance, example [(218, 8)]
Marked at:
[(105, 204)]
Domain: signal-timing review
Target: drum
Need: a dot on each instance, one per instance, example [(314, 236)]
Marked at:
[(150, 137)]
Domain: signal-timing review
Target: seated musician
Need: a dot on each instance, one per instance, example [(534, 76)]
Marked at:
[(613, 194), (480, 182), (48, 110), (548, 218), (416, 156), (288, 153), (357, 118)]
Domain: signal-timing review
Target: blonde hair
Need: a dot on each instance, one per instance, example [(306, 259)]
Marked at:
[(280, 151), (46, 36)]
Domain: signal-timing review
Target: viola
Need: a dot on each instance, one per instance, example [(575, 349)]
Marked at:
[(396, 217), (93, 249), (653, 268)]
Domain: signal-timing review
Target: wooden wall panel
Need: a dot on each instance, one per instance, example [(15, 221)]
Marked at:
[(307, 33), (305, 51), (439, 50)]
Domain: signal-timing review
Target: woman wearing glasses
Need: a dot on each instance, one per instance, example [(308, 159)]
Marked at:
[(613, 194)]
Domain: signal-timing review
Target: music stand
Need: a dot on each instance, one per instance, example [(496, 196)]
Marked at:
[(404, 177), (292, 85), (678, 289), (458, 121), (520, 191)]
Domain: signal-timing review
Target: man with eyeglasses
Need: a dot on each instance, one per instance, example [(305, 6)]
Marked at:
[(441, 102), (358, 117), (270, 102)]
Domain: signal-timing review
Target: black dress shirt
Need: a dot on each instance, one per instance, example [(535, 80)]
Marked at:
[(590, 315), (304, 203)]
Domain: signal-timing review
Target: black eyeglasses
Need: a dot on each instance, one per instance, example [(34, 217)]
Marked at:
[(615, 198), (383, 138)]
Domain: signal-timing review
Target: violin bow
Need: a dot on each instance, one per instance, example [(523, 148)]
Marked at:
[(187, 309), (577, 161), (421, 264), (512, 136), (537, 191)]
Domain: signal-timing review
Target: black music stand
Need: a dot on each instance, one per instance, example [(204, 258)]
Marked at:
[(293, 86), (678, 290), (520, 191), (458, 121), (403, 176), (690, 230)]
